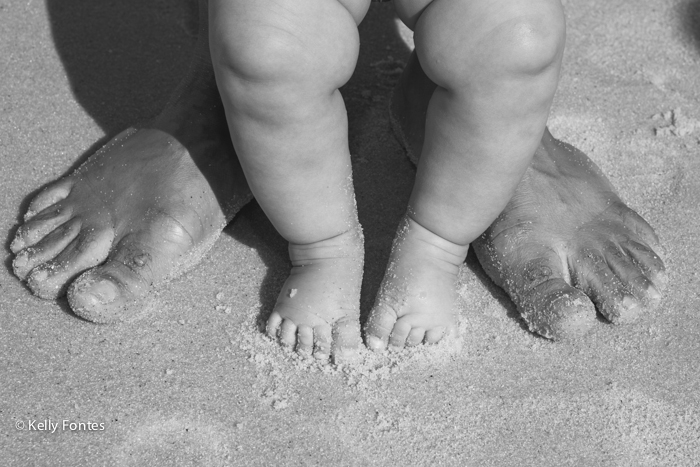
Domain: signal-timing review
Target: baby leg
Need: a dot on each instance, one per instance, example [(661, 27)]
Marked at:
[(496, 66), (278, 66)]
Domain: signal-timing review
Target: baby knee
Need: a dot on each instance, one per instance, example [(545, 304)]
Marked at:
[(282, 53), (515, 45)]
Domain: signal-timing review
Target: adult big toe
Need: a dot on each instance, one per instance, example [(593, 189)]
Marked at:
[(107, 292)]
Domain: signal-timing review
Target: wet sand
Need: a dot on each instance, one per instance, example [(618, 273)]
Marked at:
[(194, 382)]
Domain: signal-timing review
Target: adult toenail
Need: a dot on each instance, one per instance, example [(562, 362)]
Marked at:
[(105, 291), (21, 260), (39, 275), (653, 293), (630, 303), (17, 244)]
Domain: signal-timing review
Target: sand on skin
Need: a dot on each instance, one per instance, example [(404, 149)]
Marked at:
[(195, 382)]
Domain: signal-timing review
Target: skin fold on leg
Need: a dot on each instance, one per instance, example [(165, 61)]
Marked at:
[(566, 243), (139, 211), (278, 66)]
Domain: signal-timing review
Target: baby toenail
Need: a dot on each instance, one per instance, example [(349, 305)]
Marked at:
[(105, 291), (375, 343)]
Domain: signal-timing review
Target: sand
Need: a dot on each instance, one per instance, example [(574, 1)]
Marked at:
[(194, 381)]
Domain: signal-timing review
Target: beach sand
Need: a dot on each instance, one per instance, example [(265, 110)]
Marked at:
[(193, 381)]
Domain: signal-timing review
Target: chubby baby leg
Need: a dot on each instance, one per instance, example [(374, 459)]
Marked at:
[(278, 66), (496, 66)]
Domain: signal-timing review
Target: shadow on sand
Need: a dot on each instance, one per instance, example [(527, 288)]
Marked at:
[(124, 58)]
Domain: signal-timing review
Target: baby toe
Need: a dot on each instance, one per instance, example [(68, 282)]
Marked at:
[(288, 333), (399, 334), (379, 327), (345, 340), (433, 336), (415, 337), (273, 325), (305, 340), (322, 342), (652, 265)]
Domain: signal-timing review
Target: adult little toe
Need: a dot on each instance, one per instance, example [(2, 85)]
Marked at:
[(47, 197), (592, 274), (46, 249), (40, 225), (345, 340), (639, 226), (631, 275), (649, 261), (50, 279)]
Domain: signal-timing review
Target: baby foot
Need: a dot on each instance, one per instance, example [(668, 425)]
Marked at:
[(566, 243), (318, 310), (138, 212), (417, 300)]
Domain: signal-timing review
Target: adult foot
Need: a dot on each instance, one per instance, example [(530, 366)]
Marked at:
[(417, 300), (565, 242), (318, 310), (139, 211)]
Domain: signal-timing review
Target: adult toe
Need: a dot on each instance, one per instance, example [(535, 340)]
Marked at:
[(652, 265), (631, 275), (49, 280), (49, 196), (46, 249), (592, 274), (39, 226)]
